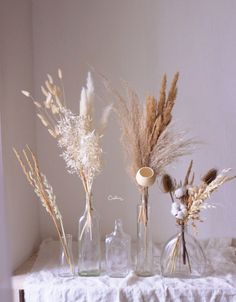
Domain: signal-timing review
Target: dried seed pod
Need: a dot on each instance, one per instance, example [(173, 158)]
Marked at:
[(210, 176), (167, 183)]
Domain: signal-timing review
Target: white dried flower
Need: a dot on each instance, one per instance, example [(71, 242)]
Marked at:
[(180, 215), (81, 147), (180, 192), (183, 209), (179, 210), (175, 208)]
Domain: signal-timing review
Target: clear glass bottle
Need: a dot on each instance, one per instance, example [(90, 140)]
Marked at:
[(66, 268), (144, 260), (89, 262), (118, 252), (183, 256)]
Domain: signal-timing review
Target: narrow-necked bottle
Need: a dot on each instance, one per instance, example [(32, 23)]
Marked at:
[(118, 252), (89, 241)]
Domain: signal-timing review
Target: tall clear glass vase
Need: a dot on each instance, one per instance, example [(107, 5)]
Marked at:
[(183, 256), (144, 260), (89, 241)]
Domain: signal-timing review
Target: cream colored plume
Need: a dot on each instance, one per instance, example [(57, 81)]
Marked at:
[(87, 97)]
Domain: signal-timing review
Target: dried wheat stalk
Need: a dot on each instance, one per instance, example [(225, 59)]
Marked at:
[(45, 193)]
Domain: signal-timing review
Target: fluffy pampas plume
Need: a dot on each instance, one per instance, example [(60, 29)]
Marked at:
[(146, 135)]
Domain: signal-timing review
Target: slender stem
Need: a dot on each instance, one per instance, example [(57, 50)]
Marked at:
[(143, 217), (183, 243), (88, 222), (171, 196)]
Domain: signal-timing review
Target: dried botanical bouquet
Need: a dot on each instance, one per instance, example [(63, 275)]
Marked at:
[(188, 200), (75, 133), (146, 135), (44, 191)]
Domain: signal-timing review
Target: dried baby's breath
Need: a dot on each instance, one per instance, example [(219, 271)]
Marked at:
[(79, 140)]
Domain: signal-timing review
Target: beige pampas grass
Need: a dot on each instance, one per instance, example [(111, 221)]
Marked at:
[(146, 136)]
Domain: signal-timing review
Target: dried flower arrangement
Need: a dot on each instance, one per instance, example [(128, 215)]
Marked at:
[(146, 135), (45, 193), (188, 201), (75, 133)]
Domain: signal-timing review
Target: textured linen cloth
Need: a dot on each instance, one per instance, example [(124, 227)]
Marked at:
[(43, 284)]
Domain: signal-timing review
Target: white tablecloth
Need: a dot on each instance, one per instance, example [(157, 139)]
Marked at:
[(43, 284)]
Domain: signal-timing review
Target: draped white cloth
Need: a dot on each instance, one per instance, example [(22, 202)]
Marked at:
[(43, 284)]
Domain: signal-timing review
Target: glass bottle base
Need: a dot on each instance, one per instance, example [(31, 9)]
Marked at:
[(181, 276), (117, 274), (66, 275), (92, 273), (144, 274)]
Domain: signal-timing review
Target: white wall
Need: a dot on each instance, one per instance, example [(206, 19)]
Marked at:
[(139, 41), (18, 126)]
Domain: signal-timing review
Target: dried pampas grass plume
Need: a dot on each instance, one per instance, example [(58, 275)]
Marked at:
[(146, 135)]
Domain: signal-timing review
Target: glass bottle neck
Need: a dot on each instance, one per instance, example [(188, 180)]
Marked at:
[(89, 199), (118, 227), (144, 196), (182, 227)]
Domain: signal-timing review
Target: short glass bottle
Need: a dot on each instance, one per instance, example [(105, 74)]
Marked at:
[(89, 262), (183, 256), (66, 268), (118, 252)]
